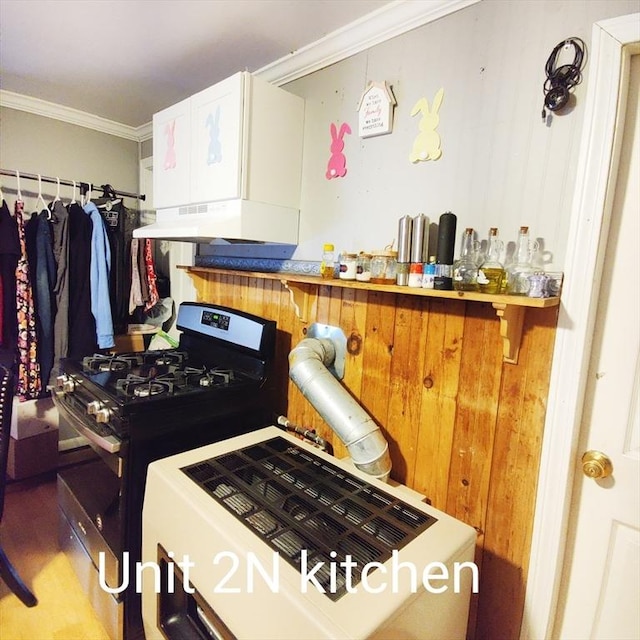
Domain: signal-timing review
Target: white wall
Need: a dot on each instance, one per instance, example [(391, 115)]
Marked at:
[(36, 144), (501, 166)]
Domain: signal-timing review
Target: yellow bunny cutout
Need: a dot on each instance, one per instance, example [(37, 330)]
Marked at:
[(426, 146)]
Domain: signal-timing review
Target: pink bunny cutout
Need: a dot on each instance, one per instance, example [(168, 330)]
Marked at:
[(337, 165), (170, 153)]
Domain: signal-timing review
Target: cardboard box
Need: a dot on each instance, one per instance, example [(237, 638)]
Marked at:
[(33, 417), (32, 456)]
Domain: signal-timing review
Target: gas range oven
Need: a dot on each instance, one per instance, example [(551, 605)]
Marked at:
[(134, 408)]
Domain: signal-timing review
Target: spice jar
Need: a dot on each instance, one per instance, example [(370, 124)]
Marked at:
[(383, 266), (347, 266), (363, 267)]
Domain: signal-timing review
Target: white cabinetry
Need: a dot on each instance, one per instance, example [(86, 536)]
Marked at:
[(231, 153)]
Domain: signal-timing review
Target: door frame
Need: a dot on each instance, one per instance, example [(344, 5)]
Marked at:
[(613, 42)]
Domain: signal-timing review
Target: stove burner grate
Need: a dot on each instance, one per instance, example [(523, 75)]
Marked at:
[(100, 362), (134, 386)]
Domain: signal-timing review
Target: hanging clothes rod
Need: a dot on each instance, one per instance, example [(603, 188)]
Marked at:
[(83, 186)]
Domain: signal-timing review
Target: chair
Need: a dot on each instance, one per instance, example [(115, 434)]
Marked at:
[(7, 572)]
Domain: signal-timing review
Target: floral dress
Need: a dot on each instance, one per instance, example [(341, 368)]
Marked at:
[(28, 384)]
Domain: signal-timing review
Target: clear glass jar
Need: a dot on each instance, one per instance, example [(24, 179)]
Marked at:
[(327, 266), (347, 266), (465, 269), (383, 266), (363, 267)]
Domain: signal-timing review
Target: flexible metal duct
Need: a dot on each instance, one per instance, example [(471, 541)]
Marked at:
[(354, 426)]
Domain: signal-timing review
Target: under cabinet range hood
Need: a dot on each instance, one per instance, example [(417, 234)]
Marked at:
[(242, 220), (227, 163)]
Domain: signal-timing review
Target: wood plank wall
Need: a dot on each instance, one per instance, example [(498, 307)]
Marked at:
[(464, 428)]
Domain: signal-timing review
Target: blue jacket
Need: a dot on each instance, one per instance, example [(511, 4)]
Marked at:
[(100, 268)]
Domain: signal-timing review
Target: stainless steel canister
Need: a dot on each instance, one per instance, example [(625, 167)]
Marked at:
[(404, 250)]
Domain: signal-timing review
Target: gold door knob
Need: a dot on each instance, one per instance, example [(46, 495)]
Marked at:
[(596, 465)]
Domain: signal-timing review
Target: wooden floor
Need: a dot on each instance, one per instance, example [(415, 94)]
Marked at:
[(29, 535)]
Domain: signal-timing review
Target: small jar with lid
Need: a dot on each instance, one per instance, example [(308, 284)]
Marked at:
[(363, 267), (347, 266), (327, 266), (383, 266)]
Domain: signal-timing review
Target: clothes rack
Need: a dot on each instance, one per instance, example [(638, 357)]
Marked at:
[(83, 186)]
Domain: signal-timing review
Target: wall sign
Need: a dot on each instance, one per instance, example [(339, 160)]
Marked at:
[(375, 110)]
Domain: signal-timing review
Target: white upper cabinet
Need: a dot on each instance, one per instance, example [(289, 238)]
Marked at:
[(240, 139), (171, 154)]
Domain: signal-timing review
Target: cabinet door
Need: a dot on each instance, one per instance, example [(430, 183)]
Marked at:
[(216, 141), (171, 140)]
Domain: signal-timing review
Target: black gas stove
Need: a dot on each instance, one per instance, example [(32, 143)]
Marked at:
[(134, 408)]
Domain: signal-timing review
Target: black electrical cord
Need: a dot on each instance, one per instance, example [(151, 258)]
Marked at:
[(560, 79)]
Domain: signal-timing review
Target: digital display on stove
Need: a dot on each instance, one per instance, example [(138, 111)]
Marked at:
[(216, 320)]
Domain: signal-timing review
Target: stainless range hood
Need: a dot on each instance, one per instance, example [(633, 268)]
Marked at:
[(239, 219)]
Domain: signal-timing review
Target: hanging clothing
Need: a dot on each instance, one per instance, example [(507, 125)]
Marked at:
[(119, 223), (42, 270), (28, 384), (151, 274), (60, 230), (82, 324), (100, 267), (135, 294), (9, 254)]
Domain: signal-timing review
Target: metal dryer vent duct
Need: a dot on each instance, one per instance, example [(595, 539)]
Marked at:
[(308, 362)]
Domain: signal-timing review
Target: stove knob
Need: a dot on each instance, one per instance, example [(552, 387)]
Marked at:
[(103, 415), (93, 407), (65, 383)]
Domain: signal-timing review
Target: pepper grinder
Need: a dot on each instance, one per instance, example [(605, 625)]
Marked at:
[(444, 256), (419, 249), (404, 250)]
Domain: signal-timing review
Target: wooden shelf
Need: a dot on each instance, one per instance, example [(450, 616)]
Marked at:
[(509, 309)]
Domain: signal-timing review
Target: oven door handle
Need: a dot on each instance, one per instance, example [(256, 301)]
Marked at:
[(109, 443)]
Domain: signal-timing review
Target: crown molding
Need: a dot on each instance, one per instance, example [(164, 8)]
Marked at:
[(389, 21), (67, 114)]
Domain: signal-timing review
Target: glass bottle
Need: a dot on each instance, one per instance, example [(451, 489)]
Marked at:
[(327, 266), (465, 269), (518, 273), (491, 271)]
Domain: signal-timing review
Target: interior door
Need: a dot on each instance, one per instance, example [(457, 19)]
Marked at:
[(600, 589)]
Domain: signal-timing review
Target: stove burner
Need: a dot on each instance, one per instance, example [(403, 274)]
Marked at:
[(139, 387), (217, 377), (99, 362), (151, 388), (165, 358)]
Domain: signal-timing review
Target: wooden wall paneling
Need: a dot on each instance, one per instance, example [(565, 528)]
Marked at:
[(477, 406), (464, 428), (511, 499), (442, 355), (405, 385), (376, 357)]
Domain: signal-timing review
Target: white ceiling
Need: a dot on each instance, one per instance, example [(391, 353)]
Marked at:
[(126, 59)]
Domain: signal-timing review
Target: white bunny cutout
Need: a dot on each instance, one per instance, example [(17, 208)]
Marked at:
[(426, 146)]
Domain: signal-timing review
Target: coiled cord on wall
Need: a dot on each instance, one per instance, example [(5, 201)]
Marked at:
[(560, 79)]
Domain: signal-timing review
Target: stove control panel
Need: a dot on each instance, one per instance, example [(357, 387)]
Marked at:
[(232, 327), (216, 320)]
